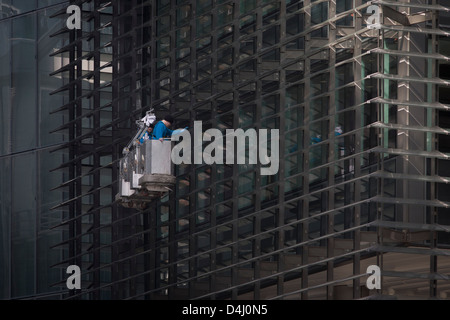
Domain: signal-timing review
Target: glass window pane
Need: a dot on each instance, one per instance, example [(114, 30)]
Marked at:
[(23, 224), (46, 275), (21, 6), (5, 230), (46, 3), (5, 88), (47, 65), (24, 113)]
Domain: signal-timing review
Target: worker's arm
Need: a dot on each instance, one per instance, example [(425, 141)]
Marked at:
[(178, 131), (143, 137)]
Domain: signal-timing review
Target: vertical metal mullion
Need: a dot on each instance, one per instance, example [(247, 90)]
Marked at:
[(153, 55), (281, 172), (258, 115), (154, 259), (192, 173), (331, 148), (214, 113), (148, 231), (37, 154), (173, 275), (359, 91), (115, 210), (132, 33), (78, 209), (306, 142), (235, 210), (380, 142), (9, 150), (96, 175), (434, 170), (72, 150)]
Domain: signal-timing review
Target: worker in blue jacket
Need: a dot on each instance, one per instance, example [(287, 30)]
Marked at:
[(162, 129)]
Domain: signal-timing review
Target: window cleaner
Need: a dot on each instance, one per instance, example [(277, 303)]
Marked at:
[(146, 170)]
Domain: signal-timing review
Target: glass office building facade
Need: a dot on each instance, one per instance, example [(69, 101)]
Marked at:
[(363, 178), (25, 149)]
